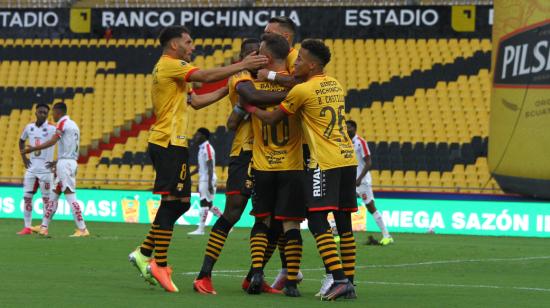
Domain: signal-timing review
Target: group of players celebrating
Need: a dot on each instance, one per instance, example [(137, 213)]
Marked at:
[(291, 155)]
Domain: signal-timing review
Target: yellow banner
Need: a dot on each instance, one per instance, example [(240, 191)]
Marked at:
[(519, 135)]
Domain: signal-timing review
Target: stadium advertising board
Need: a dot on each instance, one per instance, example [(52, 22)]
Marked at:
[(500, 218), (345, 22), (519, 143)]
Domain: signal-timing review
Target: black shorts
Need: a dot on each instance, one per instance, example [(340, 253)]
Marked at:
[(239, 181), (279, 194), (172, 167), (331, 190)]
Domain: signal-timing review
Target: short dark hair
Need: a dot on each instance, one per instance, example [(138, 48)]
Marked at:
[(318, 49), (284, 21), (61, 107), (171, 32), (205, 132), (42, 105), (351, 123), (277, 45), (247, 41)]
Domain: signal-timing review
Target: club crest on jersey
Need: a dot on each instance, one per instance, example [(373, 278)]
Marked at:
[(183, 63), (248, 184)]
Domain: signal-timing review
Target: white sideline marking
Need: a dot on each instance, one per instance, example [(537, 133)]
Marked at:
[(417, 284), (458, 261)]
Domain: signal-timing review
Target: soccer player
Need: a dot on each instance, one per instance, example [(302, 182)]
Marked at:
[(284, 26), (363, 183), (319, 102), (278, 172), (168, 144), (239, 183), (68, 135), (207, 178), (37, 174)]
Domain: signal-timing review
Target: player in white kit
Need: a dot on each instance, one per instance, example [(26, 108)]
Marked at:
[(364, 180), (38, 174), (207, 178), (68, 135)]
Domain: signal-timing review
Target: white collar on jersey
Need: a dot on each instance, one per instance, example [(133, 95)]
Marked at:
[(65, 117)]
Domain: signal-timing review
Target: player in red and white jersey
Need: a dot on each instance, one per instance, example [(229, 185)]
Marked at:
[(68, 135), (364, 180), (207, 178), (38, 174)]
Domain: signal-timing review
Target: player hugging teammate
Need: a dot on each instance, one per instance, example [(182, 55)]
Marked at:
[(288, 103)]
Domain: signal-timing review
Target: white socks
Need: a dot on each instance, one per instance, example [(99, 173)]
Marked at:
[(380, 222), (216, 211), (49, 210), (27, 211), (77, 212), (203, 213)]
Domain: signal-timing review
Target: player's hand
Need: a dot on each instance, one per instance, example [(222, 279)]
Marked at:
[(358, 182), (254, 61), (28, 149), (50, 164), (26, 162), (262, 74)]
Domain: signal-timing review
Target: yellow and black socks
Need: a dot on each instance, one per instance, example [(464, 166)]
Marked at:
[(319, 227), (258, 245), (148, 245), (293, 254), (218, 236), (167, 214), (347, 254)]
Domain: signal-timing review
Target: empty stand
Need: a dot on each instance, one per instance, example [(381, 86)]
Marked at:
[(421, 104)]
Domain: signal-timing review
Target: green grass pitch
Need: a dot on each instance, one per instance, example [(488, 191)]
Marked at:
[(419, 270)]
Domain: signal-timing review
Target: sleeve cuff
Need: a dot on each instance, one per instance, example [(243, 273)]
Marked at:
[(282, 107), (190, 73)]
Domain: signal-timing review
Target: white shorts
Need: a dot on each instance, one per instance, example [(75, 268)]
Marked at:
[(204, 193), (364, 191), (66, 174), (32, 181)]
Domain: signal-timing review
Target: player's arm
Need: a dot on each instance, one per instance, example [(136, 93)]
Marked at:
[(286, 81), (42, 146), (24, 157), (195, 171), (235, 118), (251, 62), (204, 100), (210, 165), (269, 117), (248, 92), (368, 165)]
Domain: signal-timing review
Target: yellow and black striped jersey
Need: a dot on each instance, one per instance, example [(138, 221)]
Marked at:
[(320, 103), (243, 135), (276, 147), (169, 97)]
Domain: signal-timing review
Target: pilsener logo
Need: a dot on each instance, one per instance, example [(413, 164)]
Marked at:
[(523, 58)]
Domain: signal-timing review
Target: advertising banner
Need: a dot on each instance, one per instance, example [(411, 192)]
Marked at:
[(468, 217), (519, 143), (345, 22)]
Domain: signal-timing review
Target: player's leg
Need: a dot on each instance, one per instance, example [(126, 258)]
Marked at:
[(239, 187), (30, 183), (203, 212), (365, 192), (263, 204), (173, 178), (347, 204), (210, 198), (66, 171)]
